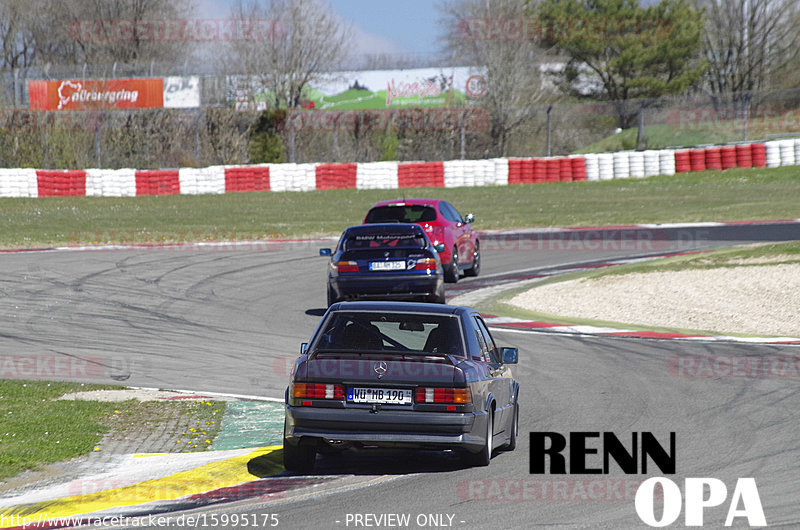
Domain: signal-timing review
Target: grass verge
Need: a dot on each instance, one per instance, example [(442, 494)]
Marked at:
[(732, 195), (38, 429), (743, 256), (666, 136)]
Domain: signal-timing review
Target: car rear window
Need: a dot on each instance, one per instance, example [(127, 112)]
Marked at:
[(384, 240), (401, 214), (395, 332)]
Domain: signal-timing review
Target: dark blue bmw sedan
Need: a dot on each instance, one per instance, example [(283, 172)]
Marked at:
[(400, 374), (386, 261)]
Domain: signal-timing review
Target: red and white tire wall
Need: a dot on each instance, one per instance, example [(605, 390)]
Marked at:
[(393, 175)]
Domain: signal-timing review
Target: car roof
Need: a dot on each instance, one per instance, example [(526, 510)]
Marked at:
[(401, 307), (410, 202)]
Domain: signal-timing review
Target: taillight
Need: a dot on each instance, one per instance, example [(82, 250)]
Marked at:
[(435, 233), (346, 266), (425, 264), (443, 395), (317, 391)]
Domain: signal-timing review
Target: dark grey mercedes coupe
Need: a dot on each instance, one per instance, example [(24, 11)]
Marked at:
[(400, 374)]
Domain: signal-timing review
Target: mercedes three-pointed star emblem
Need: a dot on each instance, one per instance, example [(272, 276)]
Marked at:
[(380, 368)]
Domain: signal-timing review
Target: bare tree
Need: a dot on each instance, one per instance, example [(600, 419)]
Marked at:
[(295, 43), (18, 33), (94, 31), (746, 42), (509, 62), (131, 31)]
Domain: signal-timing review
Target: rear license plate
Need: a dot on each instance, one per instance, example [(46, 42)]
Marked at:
[(386, 396), (387, 265)]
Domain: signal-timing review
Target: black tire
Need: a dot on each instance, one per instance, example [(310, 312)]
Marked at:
[(298, 459), (476, 261), (511, 444), (439, 297), (331, 297), (451, 271), (484, 456)]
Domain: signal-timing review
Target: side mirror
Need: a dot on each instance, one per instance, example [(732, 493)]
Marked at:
[(303, 348), (325, 252), (510, 355), (469, 218), (439, 248)]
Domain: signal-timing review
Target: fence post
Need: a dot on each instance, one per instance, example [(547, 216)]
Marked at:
[(640, 128), (336, 139), (197, 137), (463, 136), (97, 151), (549, 108), (17, 96), (746, 108)]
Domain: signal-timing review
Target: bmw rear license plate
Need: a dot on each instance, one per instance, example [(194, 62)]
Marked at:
[(387, 265), (385, 396)]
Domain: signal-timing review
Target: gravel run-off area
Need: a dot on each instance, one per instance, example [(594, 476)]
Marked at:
[(752, 299)]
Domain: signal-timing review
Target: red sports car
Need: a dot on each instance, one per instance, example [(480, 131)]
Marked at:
[(452, 236)]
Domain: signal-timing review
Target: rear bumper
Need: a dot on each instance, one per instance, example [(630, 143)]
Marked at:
[(386, 427), (397, 286)]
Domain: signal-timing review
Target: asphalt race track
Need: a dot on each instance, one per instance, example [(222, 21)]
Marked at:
[(231, 320)]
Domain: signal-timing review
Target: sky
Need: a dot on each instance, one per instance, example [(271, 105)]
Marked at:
[(379, 26)]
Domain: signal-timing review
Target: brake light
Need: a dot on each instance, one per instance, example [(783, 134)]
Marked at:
[(435, 233), (443, 395), (425, 264), (317, 391), (346, 266)]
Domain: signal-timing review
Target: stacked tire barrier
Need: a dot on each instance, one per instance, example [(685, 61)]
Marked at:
[(157, 182), (70, 183), (246, 178), (336, 176), (420, 175), (394, 175)]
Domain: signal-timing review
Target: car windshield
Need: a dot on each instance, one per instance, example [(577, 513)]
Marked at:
[(394, 332), (355, 240), (401, 214)]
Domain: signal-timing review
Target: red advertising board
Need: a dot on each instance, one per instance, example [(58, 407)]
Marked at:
[(96, 94)]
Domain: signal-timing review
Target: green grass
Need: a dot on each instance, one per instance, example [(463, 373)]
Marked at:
[(773, 253), (733, 195), (663, 136), (37, 430), (660, 137)]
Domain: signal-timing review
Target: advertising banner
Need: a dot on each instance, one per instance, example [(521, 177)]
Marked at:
[(96, 94), (374, 89), (182, 92)]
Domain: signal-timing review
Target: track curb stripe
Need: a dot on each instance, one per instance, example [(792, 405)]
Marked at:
[(199, 481)]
